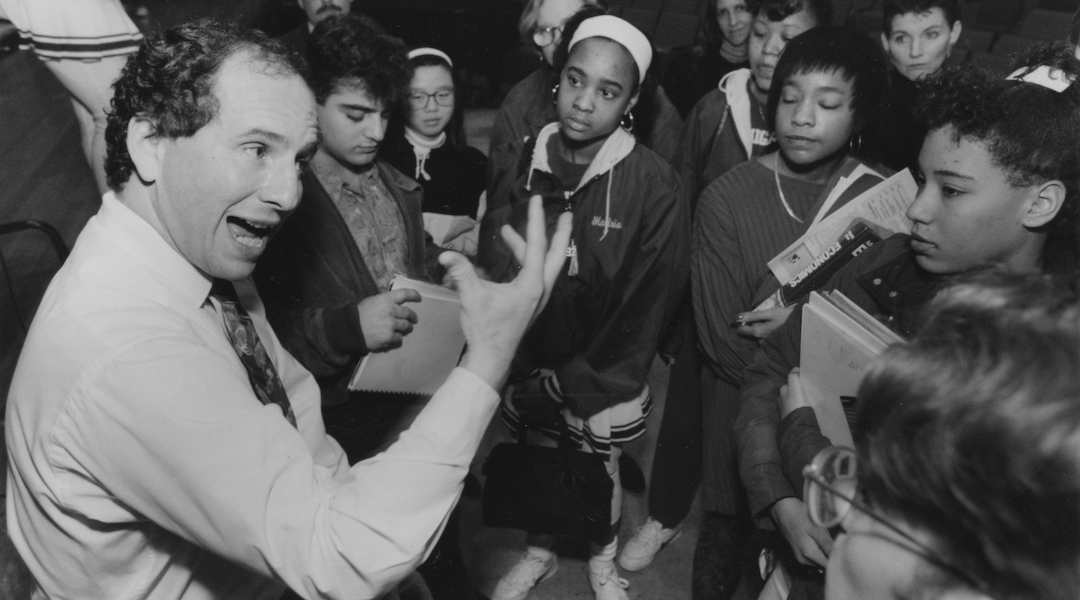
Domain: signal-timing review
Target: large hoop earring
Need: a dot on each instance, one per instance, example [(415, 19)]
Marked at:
[(855, 144), (555, 93), (628, 127)]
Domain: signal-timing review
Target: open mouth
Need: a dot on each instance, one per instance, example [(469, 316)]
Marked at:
[(249, 234)]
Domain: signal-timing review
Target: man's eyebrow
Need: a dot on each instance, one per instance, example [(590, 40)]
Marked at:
[(948, 173), (271, 136), (612, 83)]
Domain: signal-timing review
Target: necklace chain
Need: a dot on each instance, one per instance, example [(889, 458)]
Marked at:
[(780, 190)]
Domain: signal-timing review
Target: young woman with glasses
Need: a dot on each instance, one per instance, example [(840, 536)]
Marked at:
[(427, 142)]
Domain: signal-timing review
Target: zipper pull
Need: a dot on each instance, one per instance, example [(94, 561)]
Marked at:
[(571, 252)]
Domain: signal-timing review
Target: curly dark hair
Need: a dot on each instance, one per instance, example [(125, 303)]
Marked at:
[(645, 111), (895, 8), (778, 10), (1030, 131), (856, 58), (353, 50), (170, 81), (971, 432)]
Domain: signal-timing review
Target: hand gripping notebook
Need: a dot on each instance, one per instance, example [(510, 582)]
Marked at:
[(427, 355)]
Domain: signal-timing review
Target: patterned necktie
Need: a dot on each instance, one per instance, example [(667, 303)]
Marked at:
[(245, 341)]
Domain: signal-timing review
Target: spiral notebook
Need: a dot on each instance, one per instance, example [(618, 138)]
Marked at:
[(426, 356)]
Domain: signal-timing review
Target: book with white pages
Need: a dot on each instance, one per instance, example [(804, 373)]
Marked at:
[(839, 341), (427, 355)]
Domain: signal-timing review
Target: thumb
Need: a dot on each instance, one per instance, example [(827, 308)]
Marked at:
[(458, 268)]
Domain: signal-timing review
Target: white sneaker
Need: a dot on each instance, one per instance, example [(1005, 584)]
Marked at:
[(605, 581), (535, 565), (646, 542)]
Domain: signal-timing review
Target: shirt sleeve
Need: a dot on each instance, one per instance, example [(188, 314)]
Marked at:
[(757, 425), (800, 441), (722, 285), (232, 476)]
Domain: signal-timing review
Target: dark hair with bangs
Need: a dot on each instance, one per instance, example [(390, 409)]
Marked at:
[(895, 8), (856, 58), (972, 433), (455, 130), (170, 81), (1030, 131), (348, 50), (645, 111), (778, 10)]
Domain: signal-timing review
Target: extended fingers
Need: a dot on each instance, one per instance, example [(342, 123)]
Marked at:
[(536, 238), (556, 252)]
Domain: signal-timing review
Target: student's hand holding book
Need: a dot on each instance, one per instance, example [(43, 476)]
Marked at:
[(760, 323), (495, 316)]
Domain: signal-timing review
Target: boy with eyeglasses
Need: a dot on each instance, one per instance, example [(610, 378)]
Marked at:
[(998, 185), (967, 478)]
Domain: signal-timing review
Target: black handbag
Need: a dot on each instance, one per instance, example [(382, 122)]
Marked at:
[(558, 491)]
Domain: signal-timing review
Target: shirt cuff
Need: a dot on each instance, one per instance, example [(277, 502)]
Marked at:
[(343, 332)]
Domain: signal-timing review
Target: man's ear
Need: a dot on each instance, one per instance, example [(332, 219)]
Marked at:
[(144, 147), (954, 36), (1044, 205), (885, 43)]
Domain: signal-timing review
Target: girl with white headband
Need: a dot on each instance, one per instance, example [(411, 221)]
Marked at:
[(426, 141), (528, 107), (597, 338)]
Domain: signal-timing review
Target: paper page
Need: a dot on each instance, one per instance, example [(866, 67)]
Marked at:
[(841, 186), (426, 356), (884, 205)]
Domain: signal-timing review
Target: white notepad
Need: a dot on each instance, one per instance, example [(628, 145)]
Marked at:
[(426, 356)]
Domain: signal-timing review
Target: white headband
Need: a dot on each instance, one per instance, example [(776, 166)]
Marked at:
[(1048, 77), (615, 29), (430, 52)]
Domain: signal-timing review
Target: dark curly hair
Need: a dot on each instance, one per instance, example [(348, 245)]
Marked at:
[(645, 111), (1030, 131), (353, 50), (778, 10), (856, 58), (895, 8), (972, 433), (170, 81)]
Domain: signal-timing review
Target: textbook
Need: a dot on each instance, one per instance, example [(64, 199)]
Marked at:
[(884, 206), (839, 340), (860, 236), (426, 356)]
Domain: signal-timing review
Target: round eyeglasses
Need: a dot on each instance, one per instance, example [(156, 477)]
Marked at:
[(419, 100), (830, 489), (545, 36)]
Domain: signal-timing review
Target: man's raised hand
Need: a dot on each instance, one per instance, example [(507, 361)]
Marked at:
[(495, 316)]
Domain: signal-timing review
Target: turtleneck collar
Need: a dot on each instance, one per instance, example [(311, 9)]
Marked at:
[(422, 146)]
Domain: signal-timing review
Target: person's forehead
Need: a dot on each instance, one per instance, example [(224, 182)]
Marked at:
[(432, 75), (603, 58), (252, 92), (913, 21), (819, 81), (729, 4), (552, 13), (354, 91)]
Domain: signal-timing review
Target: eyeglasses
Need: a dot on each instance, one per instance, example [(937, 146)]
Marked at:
[(830, 490), (419, 100), (545, 36)]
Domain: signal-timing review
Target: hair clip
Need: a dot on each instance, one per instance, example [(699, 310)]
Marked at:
[(1048, 77)]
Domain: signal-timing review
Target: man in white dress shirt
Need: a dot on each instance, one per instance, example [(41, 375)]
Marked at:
[(149, 456)]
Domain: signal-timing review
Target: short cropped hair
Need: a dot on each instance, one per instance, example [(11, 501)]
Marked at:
[(972, 433), (856, 58), (528, 19), (1030, 131), (895, 8), (170, 82), (346, 51), (778, 10)]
